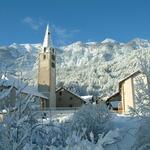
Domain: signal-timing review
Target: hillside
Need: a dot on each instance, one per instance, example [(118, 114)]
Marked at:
[(84, 68)]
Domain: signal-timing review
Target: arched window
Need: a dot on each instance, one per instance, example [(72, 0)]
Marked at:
[(53, 64), (44, 56), (53, 57), (44, 49)]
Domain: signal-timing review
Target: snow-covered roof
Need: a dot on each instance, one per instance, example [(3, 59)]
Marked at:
[(10, 81), (4, 77), (113, 96), (63, 88), (5, 81), (131, 75), (47, 43), (87, 98), (120, 83), (33, 91)]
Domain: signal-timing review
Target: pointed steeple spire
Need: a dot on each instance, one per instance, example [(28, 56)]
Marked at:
[(47, 39)]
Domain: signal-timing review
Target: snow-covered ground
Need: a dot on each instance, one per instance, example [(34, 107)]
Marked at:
[(59, 117), (125, 125)]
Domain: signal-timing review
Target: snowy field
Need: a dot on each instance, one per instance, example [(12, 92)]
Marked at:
[(92, 127), (125, 125), (127, 128), (57, 116)]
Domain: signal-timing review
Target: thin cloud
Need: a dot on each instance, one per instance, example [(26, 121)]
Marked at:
[(64, 35), (34, 24)]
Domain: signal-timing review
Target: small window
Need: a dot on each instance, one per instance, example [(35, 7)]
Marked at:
[(70, 105), (53, 64), (70, 98), (44, 49), (60, 93), (53, 50), (53, 57), (44, 56)]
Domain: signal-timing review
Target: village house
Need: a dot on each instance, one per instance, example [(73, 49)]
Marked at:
[(10, 88), (126, 95), (89, 99), (47, 79), (7, 92), (48, 97), (66, 98)]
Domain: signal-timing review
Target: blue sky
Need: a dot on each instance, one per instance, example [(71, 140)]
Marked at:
[(24, 21)]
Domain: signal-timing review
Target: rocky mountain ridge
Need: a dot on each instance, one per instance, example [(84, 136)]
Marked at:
[(84, 68)]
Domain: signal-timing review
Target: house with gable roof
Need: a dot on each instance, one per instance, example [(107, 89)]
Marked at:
[(66, 98), (125, 98)]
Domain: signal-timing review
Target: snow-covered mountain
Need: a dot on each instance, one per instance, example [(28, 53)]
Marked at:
[(85, 68)]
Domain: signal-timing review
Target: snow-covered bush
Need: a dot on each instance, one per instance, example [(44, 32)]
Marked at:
[(76, 142), (143, 135), (16, 127), (142, 105), (21, 127), (92, 119), (51, 133)]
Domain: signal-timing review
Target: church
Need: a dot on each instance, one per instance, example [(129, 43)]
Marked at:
[(47, 79), (47, 71), (45, 94)]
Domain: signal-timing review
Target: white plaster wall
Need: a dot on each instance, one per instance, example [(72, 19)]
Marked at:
[(127, 95)]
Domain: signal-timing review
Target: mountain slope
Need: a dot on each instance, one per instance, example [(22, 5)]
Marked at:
[(85, 68)]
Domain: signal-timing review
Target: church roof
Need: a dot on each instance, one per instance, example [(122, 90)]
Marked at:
[(47, 43)]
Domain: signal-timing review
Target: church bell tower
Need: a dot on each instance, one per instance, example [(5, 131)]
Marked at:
[(47, 71)]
